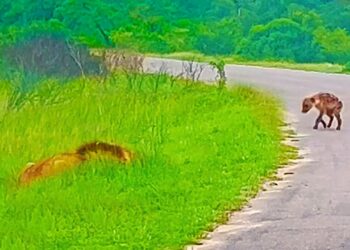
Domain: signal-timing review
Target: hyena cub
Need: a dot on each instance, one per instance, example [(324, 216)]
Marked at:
[(327, 104)]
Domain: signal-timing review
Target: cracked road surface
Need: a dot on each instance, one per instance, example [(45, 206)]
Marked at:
[(311, 208)]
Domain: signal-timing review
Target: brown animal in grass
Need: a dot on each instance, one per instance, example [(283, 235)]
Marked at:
[(327, 104), (66, 161)]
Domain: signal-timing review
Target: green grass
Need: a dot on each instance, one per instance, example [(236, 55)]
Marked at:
[(317, 67), (201, 152)]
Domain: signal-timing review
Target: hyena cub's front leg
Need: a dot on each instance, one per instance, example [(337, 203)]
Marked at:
[(318, 120), (331, 117)]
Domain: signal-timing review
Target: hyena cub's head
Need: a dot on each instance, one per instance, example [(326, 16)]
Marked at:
[(308, 103)]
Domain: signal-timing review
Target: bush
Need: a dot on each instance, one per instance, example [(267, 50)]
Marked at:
[(347, 67), (51, 56), (32, 58)]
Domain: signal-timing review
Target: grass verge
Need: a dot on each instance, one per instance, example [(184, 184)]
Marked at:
[(202, 152), (317, 67)]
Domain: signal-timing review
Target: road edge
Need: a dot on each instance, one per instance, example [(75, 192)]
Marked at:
[(277, 182)]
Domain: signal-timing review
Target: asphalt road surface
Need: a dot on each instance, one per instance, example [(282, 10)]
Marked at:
[(311, 208)]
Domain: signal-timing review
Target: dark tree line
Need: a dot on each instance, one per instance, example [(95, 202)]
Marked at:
[(292, 30)]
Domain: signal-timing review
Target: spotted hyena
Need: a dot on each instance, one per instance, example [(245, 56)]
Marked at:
[(70, 160), (327, 104)]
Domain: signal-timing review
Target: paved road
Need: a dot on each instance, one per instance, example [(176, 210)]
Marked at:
[(310, 209)]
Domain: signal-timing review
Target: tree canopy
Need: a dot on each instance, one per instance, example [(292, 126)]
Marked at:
[(292, 30)]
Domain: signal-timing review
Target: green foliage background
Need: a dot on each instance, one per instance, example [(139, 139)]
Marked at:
[(288, 30)]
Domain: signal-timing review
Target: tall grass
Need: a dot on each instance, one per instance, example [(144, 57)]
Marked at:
[(200, 152)]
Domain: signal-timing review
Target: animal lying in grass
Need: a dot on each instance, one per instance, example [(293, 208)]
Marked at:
[(65, 161), (327, 104)]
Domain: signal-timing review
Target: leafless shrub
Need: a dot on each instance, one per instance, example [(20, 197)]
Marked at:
[(192, 70), (115, 60)]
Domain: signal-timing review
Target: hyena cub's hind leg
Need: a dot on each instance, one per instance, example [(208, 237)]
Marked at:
[(339, 121), (337, 114)]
